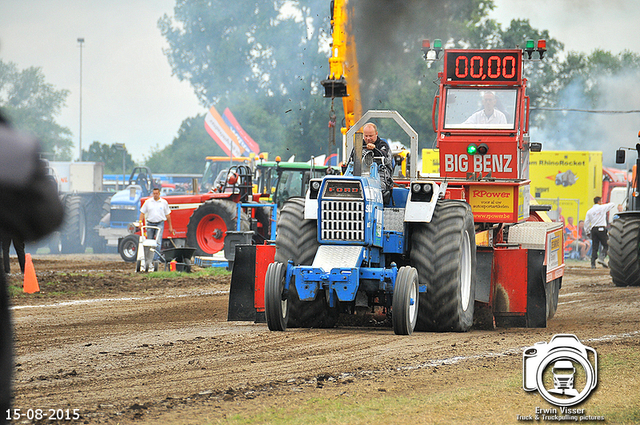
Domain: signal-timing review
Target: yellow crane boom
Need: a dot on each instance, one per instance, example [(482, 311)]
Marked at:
[(343, 79)]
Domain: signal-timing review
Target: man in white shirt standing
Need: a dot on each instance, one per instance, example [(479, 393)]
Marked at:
[(489, 115), (595, 223), (157, 212)]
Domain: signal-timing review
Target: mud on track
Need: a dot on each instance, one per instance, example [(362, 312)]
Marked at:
[(127, 349)]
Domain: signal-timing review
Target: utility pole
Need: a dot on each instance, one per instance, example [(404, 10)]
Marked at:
[(124, 151), (81, 41)]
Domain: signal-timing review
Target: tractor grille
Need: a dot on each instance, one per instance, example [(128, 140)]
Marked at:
[(342, 220), (123, 216)]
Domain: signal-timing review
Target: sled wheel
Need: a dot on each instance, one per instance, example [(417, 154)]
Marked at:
[(404, 313), (276, 307), (552, 293)]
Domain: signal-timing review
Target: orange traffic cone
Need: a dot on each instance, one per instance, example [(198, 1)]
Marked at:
[(30, 280)]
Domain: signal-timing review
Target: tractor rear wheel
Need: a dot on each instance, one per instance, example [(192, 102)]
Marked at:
[(209, 223), (404, 312), (444, 253), (275, 303), (74, 228), (296, 240), (624, 250)]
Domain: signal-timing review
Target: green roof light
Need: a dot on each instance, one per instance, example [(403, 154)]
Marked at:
[(472, 149), (437, 43), (530, 44)]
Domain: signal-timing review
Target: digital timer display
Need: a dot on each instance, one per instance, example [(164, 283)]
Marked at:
[(483, 66)]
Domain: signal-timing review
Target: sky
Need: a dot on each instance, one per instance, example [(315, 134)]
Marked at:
[(582, 25), (129, 95)]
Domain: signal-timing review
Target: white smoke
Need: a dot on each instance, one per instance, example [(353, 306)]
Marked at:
[(605, 132)]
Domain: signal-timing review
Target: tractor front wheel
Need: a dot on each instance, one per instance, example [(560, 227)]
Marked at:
[(404, 313), (297, 240), (129, 248), (276, 308)]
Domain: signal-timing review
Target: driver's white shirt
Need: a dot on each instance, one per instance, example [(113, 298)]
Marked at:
[(481, 118), (155, 211)]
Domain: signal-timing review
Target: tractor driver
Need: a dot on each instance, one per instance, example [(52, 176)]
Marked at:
[(157, 212), (372, 141)]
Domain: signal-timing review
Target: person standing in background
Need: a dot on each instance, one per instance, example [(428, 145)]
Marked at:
[(156, 210), (595, 223)]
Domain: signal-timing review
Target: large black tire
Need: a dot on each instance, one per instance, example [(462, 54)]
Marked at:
[(275, 304), (73, 235), (128, 248), (209, 223), (404, 313), (624, 250), (296, 240), (55, 243), (552, 293), (444, 253)]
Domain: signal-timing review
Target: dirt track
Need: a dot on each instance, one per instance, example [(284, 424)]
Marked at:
[(126, 349)]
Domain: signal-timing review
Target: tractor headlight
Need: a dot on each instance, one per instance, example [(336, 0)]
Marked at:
[(422, 191), (314, 189)]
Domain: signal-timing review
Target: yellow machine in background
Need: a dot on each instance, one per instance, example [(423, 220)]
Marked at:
[(566, 180), (343, 64), (343, 79)]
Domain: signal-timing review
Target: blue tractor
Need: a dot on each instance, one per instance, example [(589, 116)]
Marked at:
[(341, 248), (124, 208)]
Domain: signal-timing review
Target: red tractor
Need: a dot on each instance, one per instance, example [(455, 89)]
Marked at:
[(203, 221)]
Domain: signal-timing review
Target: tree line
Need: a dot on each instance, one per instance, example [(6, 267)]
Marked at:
[(265, 61)]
